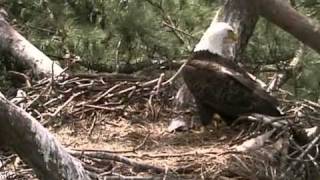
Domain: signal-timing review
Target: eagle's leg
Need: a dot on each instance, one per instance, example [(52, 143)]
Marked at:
[(205, 114), (228, 119)]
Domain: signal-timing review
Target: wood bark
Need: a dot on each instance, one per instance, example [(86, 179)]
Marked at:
[(242, 16), (16, 45), (286, 17), (36, 146)]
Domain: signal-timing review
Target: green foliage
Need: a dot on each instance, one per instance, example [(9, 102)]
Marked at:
[(110, 32), (270, 44), (307, 82), (102, 31)]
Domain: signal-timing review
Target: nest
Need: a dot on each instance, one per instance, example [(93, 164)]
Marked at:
[(117, 125)]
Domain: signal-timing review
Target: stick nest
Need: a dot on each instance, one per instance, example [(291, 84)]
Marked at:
[(117, 125)]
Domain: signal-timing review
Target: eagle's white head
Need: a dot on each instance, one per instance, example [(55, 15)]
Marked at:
[(216, 37)]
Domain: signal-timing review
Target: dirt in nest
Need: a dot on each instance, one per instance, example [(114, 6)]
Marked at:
[(129, 117), (136, 137)]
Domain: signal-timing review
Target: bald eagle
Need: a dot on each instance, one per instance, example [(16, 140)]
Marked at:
[(219, 85)]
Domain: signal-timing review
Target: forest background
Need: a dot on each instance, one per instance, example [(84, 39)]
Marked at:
[(127, 36)]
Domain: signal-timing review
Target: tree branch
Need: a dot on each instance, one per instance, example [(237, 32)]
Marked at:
[(36, 146), (20, 48), (290, 20)]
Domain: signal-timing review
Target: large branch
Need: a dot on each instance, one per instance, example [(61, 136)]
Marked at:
[(17, 46), (283, 15), (36, 146)]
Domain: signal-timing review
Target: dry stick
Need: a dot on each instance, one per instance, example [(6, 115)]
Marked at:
[(132, 92), (317, 105), (102, 151), (157, 89), (311, 145), (109, 151), (167, 17), (81, 111), (141, 144), (38, 96), (115, 176), (51, 100), (65, 104), (169, 81), (107, 92), (109, 77), (6, 161), (132, 88), (86, 85), (26, 78), (179, 30), (159, 83), (313, 160), (69, 81), (52, 73), (104, 108), (167, 155), (92, 126), (110, 156), (280, 78), (145, 84), (39, 116)]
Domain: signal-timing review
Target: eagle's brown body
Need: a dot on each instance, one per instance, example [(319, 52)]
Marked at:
[(221, 86)]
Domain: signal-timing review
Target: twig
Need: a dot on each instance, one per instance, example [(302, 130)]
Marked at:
[(137, 165), (179, 30), (52, 100), (168, 155), (175, 32), (155, 90), (115, 176), (25, 77), (132, 88), (92, 126), (37, 97), (312, 103), (168, 20), (6, 161), (103, 151), (142, 143), (170, 81), (105, 108), (280, 78), (109, 76), (159, 83), (65, 104), (311, 145), (107, 92)]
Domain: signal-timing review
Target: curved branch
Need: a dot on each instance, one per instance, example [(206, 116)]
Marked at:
[(286, 17)]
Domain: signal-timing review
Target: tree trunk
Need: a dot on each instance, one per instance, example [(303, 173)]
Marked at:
[(283, 15), (21, 49), (243, 18), (36, 146)]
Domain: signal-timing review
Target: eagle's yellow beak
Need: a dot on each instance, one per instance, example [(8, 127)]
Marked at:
[(232, 37)]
